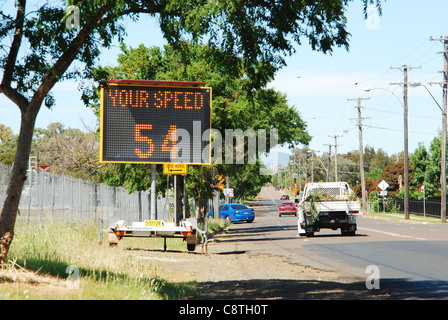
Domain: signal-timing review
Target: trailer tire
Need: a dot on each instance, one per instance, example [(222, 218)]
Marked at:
[(191, 246)]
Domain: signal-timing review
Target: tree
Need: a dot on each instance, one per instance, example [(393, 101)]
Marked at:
[(427, 166), (233, 108), (37, 50), (421, 163), (391, 174), (68, 151), (371, 186), (8, 145)]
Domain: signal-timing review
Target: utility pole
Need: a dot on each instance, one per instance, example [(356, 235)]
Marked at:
[(329, 161), (444, 84), (335, 157), (405, 85), (228, 187), (361, 155), (153, 213)]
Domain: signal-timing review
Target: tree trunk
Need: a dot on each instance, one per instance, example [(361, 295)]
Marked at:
[(29, 111), (19, 171), (178, 199), (200, 205), (185, 197)]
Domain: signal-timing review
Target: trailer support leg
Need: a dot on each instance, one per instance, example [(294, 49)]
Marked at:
[(164, 243)]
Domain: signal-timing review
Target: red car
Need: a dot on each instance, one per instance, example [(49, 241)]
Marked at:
[(287, 208)]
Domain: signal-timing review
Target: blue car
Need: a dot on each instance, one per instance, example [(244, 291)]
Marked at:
[(233, 212)]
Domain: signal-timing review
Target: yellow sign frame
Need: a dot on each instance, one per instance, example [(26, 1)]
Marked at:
[(175, 168), (142, 84)]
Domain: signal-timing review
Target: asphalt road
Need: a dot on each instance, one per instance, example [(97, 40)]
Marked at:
[(409, 258)]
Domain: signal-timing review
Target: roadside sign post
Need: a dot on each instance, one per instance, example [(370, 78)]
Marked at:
[(383, 185), (424, 201)]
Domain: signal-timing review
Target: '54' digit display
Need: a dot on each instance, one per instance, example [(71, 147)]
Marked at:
[(169, 144)]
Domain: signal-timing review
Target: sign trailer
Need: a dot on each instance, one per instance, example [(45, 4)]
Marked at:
[(141, 122)]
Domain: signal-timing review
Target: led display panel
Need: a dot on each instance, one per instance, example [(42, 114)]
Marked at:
[(143, 123)]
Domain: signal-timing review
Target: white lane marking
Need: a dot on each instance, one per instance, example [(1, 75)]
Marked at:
[(390, 233)]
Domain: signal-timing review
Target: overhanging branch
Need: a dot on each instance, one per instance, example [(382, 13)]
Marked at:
[(15, 46)]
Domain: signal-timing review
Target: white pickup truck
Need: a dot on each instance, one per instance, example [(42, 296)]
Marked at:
[(331, 205)]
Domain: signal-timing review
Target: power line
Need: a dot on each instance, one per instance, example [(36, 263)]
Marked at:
[(397, 130)]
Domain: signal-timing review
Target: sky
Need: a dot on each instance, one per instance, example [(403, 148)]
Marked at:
[(320, 85)]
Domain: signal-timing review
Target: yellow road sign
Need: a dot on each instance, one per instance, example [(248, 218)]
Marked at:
[(175, 168)]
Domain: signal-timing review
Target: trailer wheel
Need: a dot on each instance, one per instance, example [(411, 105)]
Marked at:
[(191, 246)]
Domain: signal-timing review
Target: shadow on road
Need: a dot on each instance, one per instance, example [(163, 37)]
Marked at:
[(290, 289), (414, 289), (255, 234)]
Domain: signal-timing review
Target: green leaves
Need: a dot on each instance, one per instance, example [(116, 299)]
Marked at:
[(252, 35), (427, 166)]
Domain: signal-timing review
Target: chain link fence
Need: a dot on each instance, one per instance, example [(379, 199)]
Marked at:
[(48, 195)]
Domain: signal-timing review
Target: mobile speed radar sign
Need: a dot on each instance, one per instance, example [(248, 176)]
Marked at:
[(154, 122)]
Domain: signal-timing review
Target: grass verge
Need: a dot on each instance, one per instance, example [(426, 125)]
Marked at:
[(63, 260), (400, 216)]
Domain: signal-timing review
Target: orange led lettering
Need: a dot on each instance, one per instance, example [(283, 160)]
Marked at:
[(169, 138), (120, 98), (113, 97), (143, 96), (165, 99), (140, 138), (176, 100), (158, 99), (201, 100), (188, 100), (168, 98), (133, 103)]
